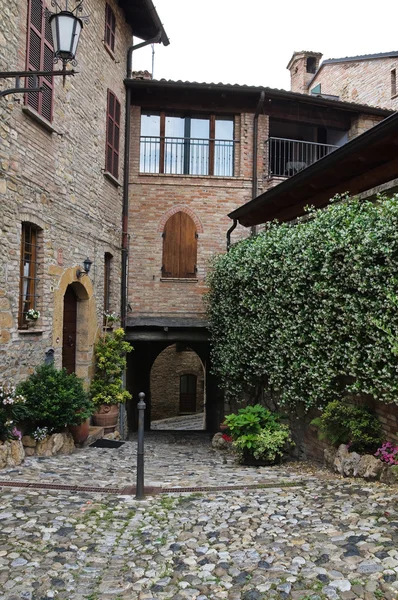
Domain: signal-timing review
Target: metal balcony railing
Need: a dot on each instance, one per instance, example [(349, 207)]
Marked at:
[(288, 157), (187, 156)]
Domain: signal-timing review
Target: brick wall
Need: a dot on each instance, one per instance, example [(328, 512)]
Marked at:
[(165, 381), (54, 179), (363, 82)]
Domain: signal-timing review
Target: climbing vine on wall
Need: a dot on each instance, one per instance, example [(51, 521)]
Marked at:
[(309, 311)]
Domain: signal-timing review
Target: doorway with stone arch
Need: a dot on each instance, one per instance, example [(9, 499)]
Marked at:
[(177, 389)]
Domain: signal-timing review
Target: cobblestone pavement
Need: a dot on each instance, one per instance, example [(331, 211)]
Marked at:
[(318, 538)]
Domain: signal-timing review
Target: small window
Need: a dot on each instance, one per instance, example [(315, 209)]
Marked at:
[(28, 285), (179, 247), (107, 282), (110, 28), (311, 64), (112, 135), (317, 89), (40, 57), (393, 83), (188, 393)]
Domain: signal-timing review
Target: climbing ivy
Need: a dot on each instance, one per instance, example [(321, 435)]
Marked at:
[(309, 310)]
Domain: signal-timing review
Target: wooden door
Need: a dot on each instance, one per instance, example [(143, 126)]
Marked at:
[(69, 331), (188, 393)]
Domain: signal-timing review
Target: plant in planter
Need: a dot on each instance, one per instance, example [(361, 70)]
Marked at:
[(106, 389), (12, 412), (345, 423), (55, 399), (258, 434)]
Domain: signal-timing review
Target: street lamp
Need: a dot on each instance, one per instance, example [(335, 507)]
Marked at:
[(66, 27)]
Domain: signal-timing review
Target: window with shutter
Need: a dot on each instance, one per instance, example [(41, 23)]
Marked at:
[(112, 135), (39, 58), (107, 283), (179, 247), (110, 28), (28, 283)]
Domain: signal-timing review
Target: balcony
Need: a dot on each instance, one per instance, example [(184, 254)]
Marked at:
[(288, 157), (187, 156)]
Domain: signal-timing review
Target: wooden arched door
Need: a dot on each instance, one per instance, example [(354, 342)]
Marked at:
[(69, 330)]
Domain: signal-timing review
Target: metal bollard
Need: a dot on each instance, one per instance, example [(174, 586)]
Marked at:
[(140, 492)]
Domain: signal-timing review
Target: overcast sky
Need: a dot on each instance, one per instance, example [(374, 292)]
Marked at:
[(251, 41)]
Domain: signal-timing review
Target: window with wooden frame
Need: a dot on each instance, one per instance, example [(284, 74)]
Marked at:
[(187, 144), (188, 393), (107, 283), (179, 247), (110, 28), (28, 283), (112, 135), (39, 57)]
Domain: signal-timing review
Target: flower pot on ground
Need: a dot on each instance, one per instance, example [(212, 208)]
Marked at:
[(80, 432), (106, 389)]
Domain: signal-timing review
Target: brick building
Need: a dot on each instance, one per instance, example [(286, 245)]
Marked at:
[(61, 171), (197, 152), (368, 79)]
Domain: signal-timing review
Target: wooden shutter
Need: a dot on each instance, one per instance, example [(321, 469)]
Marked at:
[(179, 247), (188, 246), (171, 247), (110, 28), (112, 135), (40, 57)]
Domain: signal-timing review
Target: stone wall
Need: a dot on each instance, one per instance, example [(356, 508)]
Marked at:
[(165, 381), (53, 176)]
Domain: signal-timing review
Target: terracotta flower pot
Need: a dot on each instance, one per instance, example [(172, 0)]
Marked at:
[(107, 416), (80, 432)]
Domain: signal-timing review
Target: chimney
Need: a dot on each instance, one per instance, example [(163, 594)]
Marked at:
[(145, 75), (303, 66)]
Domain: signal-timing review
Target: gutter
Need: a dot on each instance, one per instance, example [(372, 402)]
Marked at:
[(260, 105)]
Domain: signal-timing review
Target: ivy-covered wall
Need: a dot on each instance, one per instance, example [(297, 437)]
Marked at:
[(308, 311)]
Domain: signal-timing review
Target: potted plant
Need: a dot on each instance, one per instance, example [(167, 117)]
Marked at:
[(56, 399), (106, 389), (32, 316), (258, 435)]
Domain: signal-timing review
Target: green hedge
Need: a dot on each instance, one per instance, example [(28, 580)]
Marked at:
[(309, 311)]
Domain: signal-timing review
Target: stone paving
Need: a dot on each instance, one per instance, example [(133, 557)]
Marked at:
[(318, 538)]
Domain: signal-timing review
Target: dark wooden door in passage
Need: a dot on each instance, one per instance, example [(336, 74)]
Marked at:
[(69, 331), (188, 393)]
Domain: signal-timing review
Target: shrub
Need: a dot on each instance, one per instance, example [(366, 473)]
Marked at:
[(55, 398), (258, 432), (110, 362), (309, 310), (345, 423), (388, 453), (12, 412)]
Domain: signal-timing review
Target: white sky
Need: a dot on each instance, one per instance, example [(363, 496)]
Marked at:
[(251, 41)]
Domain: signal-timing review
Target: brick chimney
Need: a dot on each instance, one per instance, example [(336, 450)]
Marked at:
[(142, 75), (303, 66)]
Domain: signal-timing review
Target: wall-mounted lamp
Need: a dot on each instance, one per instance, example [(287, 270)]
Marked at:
[(86, 266)]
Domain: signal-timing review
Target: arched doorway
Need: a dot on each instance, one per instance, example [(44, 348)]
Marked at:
[(69, 330), (177, 389)]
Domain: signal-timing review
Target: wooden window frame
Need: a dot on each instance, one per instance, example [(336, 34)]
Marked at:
[(212, 142), (110, 28), (112, 149), (28, 297), (36, 100)]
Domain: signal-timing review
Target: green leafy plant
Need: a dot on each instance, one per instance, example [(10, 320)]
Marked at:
[(110, 362), (258, 432), (345, 423), (307, 310), (12, 412), (55, 398)]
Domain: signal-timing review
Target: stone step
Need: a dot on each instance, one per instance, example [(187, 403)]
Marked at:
[(95, 433)]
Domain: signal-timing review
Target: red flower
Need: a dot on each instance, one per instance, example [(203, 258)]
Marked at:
[(226, 437)]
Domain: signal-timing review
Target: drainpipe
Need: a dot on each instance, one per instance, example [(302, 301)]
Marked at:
[(255, 152), (230, 230), (125, 212)]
